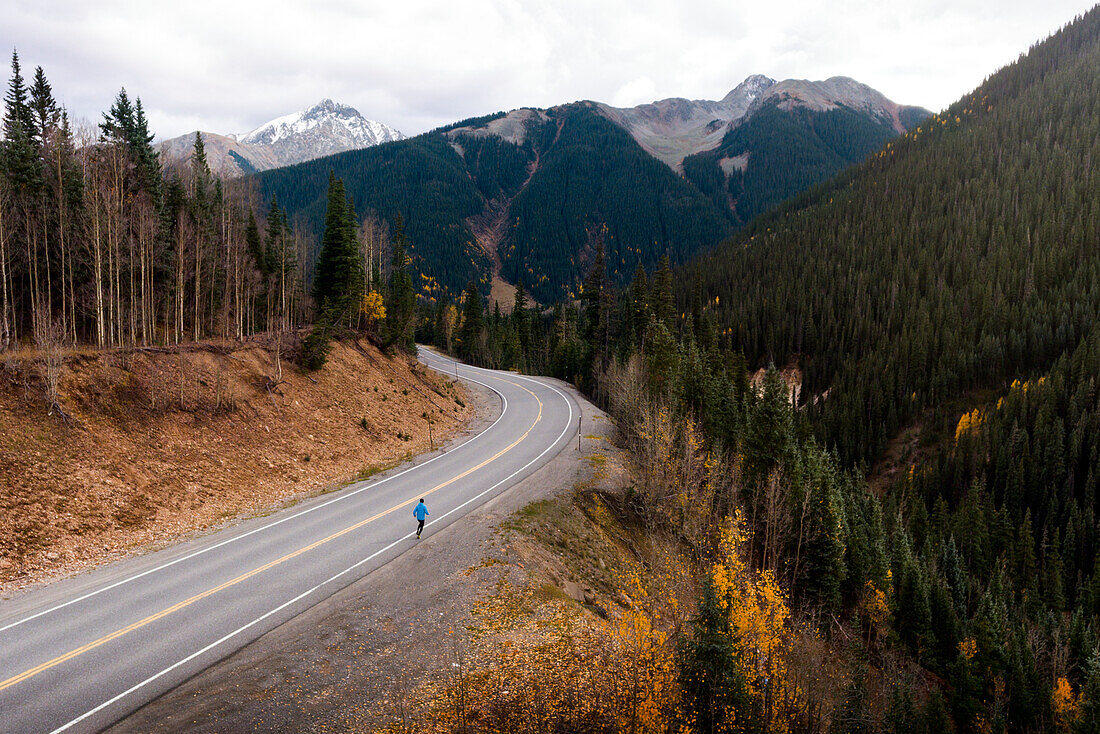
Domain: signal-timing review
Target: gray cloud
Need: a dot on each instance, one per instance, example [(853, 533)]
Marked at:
[(416, 64)]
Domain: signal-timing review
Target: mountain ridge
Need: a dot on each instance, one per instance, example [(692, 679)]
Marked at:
[(322, 129), (525, 195), (674, 128)]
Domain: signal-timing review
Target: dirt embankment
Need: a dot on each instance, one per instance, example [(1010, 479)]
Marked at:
[(161, 443)]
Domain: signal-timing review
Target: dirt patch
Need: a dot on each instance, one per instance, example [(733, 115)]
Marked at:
[(161, 443)]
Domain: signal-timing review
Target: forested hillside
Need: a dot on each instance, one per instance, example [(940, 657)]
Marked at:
[(527, 195), (932, 317), (777, 153), (961, 255), (571, 177), (941, 302)]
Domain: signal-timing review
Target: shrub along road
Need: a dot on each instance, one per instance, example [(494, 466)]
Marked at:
[(82, 653)]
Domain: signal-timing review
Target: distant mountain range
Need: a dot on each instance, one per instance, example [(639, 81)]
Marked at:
[(524, 195), (325, 128)]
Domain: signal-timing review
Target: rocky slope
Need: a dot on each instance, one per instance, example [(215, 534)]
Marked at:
[(672, 129)]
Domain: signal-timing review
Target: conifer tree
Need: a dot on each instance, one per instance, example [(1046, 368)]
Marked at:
[(714, 694), (637, 308), (469, 334), (521, 324), (401, 305), (21, 164), (338, 280), (47, 115), (662, 301)]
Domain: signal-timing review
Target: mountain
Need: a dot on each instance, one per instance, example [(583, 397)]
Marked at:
[(325, 128), (791, 135), (961, 254), (671, 129), (526, 195)]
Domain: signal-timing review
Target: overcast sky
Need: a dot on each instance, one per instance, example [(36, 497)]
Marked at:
[(231, 65)]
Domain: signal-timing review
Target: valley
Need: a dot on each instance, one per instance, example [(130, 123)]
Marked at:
[(770, 412)]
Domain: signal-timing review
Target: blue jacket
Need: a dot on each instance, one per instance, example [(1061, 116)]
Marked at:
[(420, 511)]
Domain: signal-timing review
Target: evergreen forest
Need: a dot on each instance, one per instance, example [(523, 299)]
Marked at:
[(878, 405), (100, 246)]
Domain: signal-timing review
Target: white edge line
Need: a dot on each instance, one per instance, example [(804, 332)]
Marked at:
[(304, 594), (207, 549)]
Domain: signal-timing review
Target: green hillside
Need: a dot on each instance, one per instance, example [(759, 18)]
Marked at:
[(963, 254), (941, 300), (785, 152), (423, 180)]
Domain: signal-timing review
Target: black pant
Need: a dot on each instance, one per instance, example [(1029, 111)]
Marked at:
[(419, 527)]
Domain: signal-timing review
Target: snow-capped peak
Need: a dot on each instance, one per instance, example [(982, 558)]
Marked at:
[(749, 89), (325, 128)]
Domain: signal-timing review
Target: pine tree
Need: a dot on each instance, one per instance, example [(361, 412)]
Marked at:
[(401, 305), (661, 300), (522, 326), (1088, 717), (713, 692), (118, 123), (47, 115), (338, 280), (637, 309), (22, 167), (469, 334)]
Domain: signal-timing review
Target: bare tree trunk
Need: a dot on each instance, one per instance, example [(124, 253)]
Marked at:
[(32, 267), (282, 285), (142, 243), (133, 289), (41, 206), (198, 280), (5, 300), (67, 329), (181, 240), (97, 265), (116, 245), (238, 284), (226, 300)]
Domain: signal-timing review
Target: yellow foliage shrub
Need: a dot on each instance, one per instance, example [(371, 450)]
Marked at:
[(759, 614), (374, 310), (1064, 704)]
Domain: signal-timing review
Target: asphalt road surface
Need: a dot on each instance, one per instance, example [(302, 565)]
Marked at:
[(79, 654)]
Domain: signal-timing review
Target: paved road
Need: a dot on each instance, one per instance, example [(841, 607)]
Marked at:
[(79, 654)]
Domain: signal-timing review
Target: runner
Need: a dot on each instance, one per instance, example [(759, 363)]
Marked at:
[(420, 512)]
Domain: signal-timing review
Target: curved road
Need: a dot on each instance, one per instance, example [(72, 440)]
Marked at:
[(82, 653)]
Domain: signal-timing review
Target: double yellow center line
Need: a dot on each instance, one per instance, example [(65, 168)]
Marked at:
[(16, 679)]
